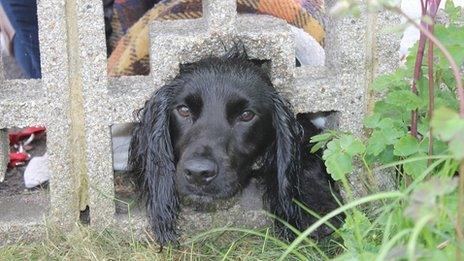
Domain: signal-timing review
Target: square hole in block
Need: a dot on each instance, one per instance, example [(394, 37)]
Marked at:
[(24, 195), (20, 40), (318, 121), (125, 194)]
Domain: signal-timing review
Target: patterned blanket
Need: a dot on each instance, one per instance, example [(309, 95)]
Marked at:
[(131, 20)]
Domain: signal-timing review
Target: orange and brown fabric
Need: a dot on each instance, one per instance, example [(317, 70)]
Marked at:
[(129, 40)]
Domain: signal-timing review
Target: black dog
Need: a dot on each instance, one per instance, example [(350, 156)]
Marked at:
[(201, 135)]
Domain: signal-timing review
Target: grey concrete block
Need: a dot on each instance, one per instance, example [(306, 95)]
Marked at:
[(387, 45), (268, 38), (127, 94), (22, 103), (220, 15), (57, 84), (92, 63), (23, 217), (273, 42), (243, 210)]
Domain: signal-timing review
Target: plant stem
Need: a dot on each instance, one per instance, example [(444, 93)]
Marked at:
[(418, 71), (432, 11), (441, 47), (431, 92)]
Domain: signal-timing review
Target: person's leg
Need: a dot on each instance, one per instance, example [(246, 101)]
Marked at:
[(23, 16)]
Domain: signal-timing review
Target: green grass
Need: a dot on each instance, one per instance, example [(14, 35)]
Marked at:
[(396, 227), (219, 244), (416, 222)]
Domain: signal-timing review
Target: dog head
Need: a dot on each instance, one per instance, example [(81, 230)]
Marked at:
[(200, 135), (220, 124)]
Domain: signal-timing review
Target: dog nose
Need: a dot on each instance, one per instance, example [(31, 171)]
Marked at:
[(200, 172)]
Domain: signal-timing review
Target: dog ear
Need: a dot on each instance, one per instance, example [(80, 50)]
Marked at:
[(283, 159), (151, 163)]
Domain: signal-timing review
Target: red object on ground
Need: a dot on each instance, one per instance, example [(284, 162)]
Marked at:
[(18, 140), (18, 158), (16, 137)]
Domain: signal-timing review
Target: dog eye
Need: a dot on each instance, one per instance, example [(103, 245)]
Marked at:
[(184, 111), (247, 116)]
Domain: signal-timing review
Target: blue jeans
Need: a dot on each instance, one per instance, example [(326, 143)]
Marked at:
[(23, 17)]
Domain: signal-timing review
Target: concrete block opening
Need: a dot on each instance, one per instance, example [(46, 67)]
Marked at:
[(24, 181), (19, 34), (322, 120), (125, 192)]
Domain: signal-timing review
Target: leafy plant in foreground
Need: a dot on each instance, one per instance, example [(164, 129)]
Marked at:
[(425, 146)]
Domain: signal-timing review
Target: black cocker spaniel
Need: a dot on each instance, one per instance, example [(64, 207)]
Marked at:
[(219, 123)]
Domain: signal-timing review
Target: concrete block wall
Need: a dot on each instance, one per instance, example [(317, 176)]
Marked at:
[(78, 103)]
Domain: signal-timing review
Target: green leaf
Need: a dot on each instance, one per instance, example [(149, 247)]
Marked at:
[(456, 146), (448, 99), (386, 110), (404, 99), (446, 123), (386, 156), (406, 145), (416, 168), (453, 11), (447, 77), (456, 51), (381, 83), (391, 135), (376, 143), (351, 146), (355, 221), (322, 137), (386, 123), (448, 126), (423, 199), (372, 121), (338, 159), (338, 165), (451, 35), (317, 146), (396, 80)]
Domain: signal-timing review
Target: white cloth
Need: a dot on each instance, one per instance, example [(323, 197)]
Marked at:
[(37, 171), (307, 50)]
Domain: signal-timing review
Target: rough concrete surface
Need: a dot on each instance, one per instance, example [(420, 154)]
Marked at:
[(23, 217), (243, 210)]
